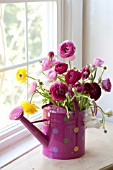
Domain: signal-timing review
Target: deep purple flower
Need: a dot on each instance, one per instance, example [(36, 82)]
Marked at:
[(51, 54), (85, 73), (87, 88), (106, 85), (58, 91), (72, 76), (79, 87), (61, 67), (66, 49), (98, 62), (93, 89)]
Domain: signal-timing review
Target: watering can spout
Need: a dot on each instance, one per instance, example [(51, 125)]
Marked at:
[(17, 114)]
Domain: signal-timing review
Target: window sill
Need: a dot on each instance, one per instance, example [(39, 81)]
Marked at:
[(19, 149)]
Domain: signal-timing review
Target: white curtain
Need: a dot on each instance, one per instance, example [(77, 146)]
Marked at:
[(98, 39)]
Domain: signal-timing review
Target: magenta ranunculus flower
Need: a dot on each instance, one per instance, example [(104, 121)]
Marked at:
[(66, 49), (61, 68), (72, 77), (46, 64), (51, 54), (93, 89), (33, 87), (58, 91), (85, 73), (106, 85), (98, 62), (51, 74), (79, 87)]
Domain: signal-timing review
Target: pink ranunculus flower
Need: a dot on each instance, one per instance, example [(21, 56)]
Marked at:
[(46, 64), (61, 68), (98, 62), (58, 91), (50, 54), (51, 74), (33, 87), (66, 49), (71, 58), (72, 77), (106, 85)]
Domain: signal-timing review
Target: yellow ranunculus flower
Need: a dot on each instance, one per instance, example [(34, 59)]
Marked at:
[(21, 75), (29, 108)]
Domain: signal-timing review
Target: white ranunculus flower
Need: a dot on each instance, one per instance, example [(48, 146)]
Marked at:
[(109, 112), (92, 121)]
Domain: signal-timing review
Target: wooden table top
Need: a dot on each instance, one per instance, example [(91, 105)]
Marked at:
[(99, 153)]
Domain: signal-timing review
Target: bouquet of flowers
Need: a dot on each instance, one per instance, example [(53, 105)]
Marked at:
[(66, 84)]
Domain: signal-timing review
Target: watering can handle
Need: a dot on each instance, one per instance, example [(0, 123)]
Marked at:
[(38, 121)]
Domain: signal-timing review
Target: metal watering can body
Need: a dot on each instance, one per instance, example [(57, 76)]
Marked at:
[(61, 137)]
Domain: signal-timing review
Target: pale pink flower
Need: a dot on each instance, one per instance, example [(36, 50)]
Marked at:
[(51, 74), (33, 87), (98, 62), (46, 64)]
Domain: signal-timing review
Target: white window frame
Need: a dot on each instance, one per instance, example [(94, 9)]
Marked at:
[(69, 26)]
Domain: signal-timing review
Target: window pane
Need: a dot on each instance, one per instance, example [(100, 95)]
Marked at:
[(12, 44), (42, 27), (12, 92), (42, 38)]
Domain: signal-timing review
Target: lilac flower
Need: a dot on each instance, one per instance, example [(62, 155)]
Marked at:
[(98, 62), (106, 85), (33, 87), (51, 74)]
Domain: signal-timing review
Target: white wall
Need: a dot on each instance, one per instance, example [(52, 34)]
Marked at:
[(73, 13), (98, 39)]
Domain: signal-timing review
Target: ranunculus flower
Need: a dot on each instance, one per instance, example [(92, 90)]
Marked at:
[(58, 91), (109, 112), (93, 89), (51, 74), (95, 92), (61, 68), (51, 54), (29, 108), (98, 62), (106, 85), (46, 64), (21, 75), (72, 76), (66, 49), (92, 121), (85, 73), (79, 87), (33, 87)]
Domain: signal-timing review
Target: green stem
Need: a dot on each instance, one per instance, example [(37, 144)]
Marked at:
[(70, 64), (31, 77)]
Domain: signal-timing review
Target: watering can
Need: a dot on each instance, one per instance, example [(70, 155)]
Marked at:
[(61, 137)]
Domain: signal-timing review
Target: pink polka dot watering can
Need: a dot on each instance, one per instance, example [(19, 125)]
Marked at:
[(61, 137)]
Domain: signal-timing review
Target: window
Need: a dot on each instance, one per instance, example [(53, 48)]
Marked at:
[(25, 38), (28, 30)]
